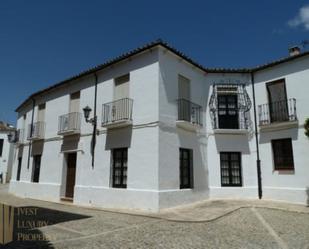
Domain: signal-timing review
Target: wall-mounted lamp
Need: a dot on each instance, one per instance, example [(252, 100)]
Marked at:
[(87, 110)]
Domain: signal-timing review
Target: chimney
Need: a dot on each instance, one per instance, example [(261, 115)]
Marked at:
[(295, 50)]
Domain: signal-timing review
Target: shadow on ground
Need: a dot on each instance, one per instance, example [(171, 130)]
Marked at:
[(28, 220)]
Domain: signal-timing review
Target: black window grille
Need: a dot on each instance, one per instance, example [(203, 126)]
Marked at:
[(18, 169), (36, 168), (229, 106), (1, 146), (283, 154), (186, 168), (120, 167), (230, 169)]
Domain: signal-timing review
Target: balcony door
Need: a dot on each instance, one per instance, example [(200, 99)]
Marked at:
[(71, 173), (121, 94), (277, 100), (184, 96), (228, 111)]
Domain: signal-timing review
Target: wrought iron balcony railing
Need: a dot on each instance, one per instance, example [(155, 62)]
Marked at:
[(69, 123), (231, 120), (276, 112), (20, 136), (117, 111), (36, 130), (190, 112)]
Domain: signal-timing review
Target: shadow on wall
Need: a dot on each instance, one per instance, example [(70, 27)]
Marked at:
[(307, 191), (118, 138), (232, 143), (70, 143), (27, 223), (266, 137)]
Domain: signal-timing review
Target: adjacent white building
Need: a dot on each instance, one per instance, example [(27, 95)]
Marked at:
[(168, 131), (6, 153)]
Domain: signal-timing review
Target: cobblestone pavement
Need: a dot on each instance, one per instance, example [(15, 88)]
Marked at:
[(210, 224)]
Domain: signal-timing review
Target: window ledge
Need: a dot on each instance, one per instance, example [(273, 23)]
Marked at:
[(187, 125), (231, 131), (117, 124), (279, 126)]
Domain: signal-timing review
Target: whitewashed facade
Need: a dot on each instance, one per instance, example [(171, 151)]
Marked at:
[(6, 153), (167, 114)]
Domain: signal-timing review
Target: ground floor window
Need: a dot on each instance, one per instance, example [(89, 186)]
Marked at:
[(283, 154), (230, 169), (186, 168), (120, 167), (36, 168), (18, 169)]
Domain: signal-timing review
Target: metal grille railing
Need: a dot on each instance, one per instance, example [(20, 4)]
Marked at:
[(188, 111), (279, 111), (20, 136), (36, 130), (69, 122), (118, 110)]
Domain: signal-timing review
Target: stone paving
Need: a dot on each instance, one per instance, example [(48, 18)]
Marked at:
[(209, 224)]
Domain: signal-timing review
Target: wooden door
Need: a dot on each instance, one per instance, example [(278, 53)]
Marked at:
[(277, 99), (71, 173)]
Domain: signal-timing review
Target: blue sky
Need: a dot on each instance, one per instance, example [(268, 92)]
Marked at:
[(43, 42)]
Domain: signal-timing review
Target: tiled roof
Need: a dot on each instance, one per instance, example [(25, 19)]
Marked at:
[(149, 46)]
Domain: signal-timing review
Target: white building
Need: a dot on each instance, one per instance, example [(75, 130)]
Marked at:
[(6, 153), (169, 132)]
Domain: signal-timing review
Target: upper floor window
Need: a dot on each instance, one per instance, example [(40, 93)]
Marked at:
[(283, 154), (277, 100), (229, 106), (41, 113), (122, 87), (74, 102), (184, 90)]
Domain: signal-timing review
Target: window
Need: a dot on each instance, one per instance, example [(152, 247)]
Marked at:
[(1, 146), (186, 168), (277, 98), (36, 168), (120, 160), (18, 169), (228, 111), (230, 169), (283, 154)]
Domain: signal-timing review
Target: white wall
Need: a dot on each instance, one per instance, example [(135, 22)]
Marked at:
[(6, 158), (141, 140), (286, 185), (154, 140)]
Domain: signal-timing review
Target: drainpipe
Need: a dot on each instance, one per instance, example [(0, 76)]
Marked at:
[(93, 142), (258, 161), (31, 131)]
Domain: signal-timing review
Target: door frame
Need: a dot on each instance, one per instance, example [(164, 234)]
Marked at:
[(65, 178), (269, 97)]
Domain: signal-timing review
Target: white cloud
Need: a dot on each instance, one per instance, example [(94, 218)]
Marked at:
[(302, 18)]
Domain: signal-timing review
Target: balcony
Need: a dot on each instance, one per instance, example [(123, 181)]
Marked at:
[(117, 113), (69, 124), (278, 115), (20, 136), (36, 131), (189, 115)]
